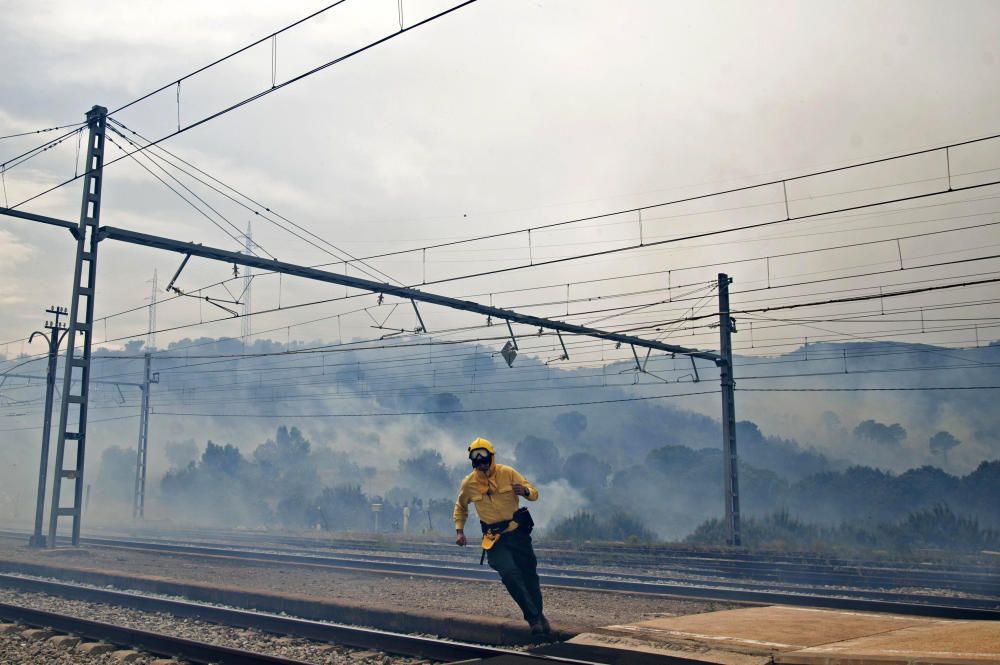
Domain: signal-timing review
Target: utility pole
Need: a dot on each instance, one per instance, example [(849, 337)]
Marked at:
[(54, 338), (151, 335), (139, 498), (74, 406), (727, 326)]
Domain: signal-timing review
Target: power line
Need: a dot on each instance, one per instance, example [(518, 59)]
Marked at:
[(672, 299), (877, 296), (411, 361), (227, 57), (668, 301), (267, 210), (674, 240), (387, 381), (457, 329), (184, 198), (89, 420), (707, 265), (389, 346), (41, 131), (861, 390), (524, 407), (258, 95), (370, 379), (14, 162)]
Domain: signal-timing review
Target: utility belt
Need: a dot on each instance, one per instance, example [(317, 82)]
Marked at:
[(521, 520)]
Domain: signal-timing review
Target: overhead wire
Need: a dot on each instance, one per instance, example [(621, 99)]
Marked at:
[(306, 379), (464, 328), (41, 131), (235, 239), (734, 190), (865, 389), (7, 165), (266, 215), (523, 407), (389, 383), (263, 93), (577, 283), (926, 266), (392, 386), (671, 299), (418, 360), (226, 57), (491, 383), (880, 203)]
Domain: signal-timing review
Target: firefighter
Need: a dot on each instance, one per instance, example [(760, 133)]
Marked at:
[(496, 490)]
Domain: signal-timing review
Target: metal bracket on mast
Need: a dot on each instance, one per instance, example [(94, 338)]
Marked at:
[(422, 328), (178, 273), (565, 355), (513, 340)]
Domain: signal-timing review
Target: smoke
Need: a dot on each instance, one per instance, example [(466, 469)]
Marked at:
[(309, 449), (557, 500)]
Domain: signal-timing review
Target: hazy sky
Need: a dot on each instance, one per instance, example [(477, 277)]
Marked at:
[(503, 116), (509, 114)]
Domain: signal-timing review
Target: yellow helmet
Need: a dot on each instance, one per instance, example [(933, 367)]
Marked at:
[(481, 443)]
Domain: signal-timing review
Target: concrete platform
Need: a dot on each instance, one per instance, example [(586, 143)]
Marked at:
[(803, 636)]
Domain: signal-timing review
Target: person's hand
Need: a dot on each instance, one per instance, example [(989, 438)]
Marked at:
[(519, 489), (460, 538)]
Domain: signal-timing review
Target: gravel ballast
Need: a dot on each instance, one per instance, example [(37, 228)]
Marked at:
[(578, 610), (581, 609), (16, 647)]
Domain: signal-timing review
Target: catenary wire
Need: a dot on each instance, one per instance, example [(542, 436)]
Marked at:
[(267, 210), (41, 131), (260, 94)]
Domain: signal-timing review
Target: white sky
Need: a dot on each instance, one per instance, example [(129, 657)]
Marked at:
[(509, 114)]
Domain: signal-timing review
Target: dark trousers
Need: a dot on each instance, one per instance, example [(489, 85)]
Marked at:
[(514, 558)]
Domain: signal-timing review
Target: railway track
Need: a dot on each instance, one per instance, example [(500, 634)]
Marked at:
[(158, 644), (775, 567), (342, 635), (922, 604)]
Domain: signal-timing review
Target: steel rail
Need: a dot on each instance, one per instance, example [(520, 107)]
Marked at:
[(350, 636), (842, 599), (749, 568), (642, 554), (850, 599), (361, 638), (156, 643), (554, 576)]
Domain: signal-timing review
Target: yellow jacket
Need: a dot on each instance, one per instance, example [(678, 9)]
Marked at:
[(491, 492)]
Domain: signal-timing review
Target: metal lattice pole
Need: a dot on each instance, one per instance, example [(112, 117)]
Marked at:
[(73, 408)]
